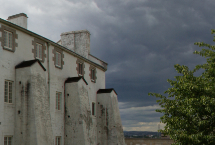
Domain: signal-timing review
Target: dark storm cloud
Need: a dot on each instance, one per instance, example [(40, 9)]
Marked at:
[(145, 42), (140, 39), (158, 35)]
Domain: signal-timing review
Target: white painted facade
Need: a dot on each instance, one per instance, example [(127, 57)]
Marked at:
[(32, 117)]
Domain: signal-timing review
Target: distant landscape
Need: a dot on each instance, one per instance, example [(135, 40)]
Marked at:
[(141, 134)]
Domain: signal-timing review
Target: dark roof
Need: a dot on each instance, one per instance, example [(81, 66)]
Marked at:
[(29, 63), (75, 79), (100, 91)]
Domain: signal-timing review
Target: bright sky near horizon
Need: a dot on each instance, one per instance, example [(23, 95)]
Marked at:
[(140, 39)]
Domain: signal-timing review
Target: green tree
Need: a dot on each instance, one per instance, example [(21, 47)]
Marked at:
[(189, 108)]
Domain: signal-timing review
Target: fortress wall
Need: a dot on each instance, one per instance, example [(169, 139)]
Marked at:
[(33, 121), (110, 127), (78, 121)]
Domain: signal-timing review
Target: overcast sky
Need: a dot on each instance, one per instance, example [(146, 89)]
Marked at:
[(141, 40)]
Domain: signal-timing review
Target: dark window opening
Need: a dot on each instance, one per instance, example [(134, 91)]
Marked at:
[(80, 69), (93, 108)]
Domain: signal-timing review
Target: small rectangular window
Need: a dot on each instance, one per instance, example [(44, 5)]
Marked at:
[(8, 140), (8, 91), (39, 51), (57, 140), (93, 108), (58, 59), (58, 100), (106, 116), (8, 39), (80, 70), (92, 74)]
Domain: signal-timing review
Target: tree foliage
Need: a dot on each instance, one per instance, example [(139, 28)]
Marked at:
[(189, 108)]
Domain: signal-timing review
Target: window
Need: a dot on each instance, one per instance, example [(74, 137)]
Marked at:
[(39, 51), (93, 108), (58, 100), (8, 91), (58, 59), (80, 68), (92, 74), (8, 140), (8, 39), (57, 140)]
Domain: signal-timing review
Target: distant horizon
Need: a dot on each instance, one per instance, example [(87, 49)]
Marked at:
[(141, 131)]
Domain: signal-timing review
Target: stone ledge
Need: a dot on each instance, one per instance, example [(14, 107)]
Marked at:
[(75, 32)]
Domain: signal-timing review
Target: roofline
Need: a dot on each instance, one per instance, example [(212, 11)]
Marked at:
[(75, 32), (98, 59), (51, 42), (68, 80), (58, 41), (17, 15), (109, 90), (20, 65)]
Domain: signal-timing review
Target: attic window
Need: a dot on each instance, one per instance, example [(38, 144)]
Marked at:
[(92, 74), (58, 59), (39, 51), (8, 39), (80, 69)]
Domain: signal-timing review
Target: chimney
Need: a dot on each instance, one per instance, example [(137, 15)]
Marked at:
[(77, 41), (19, 19)]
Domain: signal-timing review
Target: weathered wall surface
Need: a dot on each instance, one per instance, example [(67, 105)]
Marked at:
[(116, 120), (109, 124), (77, 41), (25, 120), (78, 121), (102, 123), (144, 141), (33, 120)]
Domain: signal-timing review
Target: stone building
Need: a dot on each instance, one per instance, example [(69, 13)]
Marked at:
[(54, 93)]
